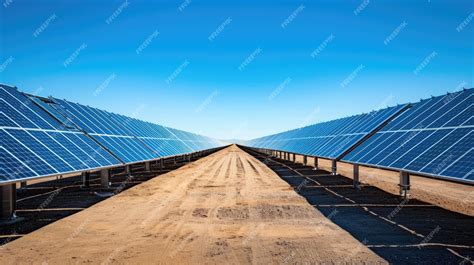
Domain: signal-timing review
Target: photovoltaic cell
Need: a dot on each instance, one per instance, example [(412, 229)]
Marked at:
[(434, 137), (31, 146), (328, 139), (132, 139)]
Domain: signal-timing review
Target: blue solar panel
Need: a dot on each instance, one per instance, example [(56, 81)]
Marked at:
[(434, 137), (34, 145), (129, 138), (328, 139), (43, 137)]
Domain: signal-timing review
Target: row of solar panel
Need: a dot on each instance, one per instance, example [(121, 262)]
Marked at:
[(432, 137), (328, 139), (42, 137)]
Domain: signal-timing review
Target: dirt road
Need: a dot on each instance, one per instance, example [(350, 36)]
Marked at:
[(227, 208)]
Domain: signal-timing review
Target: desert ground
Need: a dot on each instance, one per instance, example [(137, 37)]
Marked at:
[(452, 196), (227, 208)]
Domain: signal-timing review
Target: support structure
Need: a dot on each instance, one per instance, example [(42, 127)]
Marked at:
[(128, 169), (86, 177), (404, 184), (334, 167), (316, 163), (305, 160), (147, 166), (355, 176), (105, 178), (162, 164), (294, 158), (8, 202), (23, 184)]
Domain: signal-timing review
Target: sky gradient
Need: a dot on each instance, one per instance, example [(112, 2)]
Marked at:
[(237, 69)]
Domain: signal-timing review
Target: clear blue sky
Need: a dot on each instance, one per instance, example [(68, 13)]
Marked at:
[(237, 69)]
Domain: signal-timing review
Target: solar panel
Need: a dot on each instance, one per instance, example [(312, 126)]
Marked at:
[(34, 144), (129, 138), (328, 139), (46, 136), (434, 137)]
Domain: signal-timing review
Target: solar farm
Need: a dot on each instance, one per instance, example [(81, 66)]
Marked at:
[(394, 185)]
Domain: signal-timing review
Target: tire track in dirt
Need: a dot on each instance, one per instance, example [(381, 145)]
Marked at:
[(227, 208), (187, 215)]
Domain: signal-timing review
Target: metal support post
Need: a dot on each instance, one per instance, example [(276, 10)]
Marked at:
[(334, 167), (8, 202), (86, 177), (105, 178), (147, 166), (404, 184), (355, 177)]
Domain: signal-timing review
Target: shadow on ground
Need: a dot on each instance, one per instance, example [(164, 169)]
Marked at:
[(400, 231)]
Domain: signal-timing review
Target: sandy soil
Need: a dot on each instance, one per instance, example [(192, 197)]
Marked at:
[(227, 208), (449, 195)]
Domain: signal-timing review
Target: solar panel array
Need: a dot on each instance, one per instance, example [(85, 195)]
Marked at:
[(328, 139), (44, 137), (35, 144), (433, 137)]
